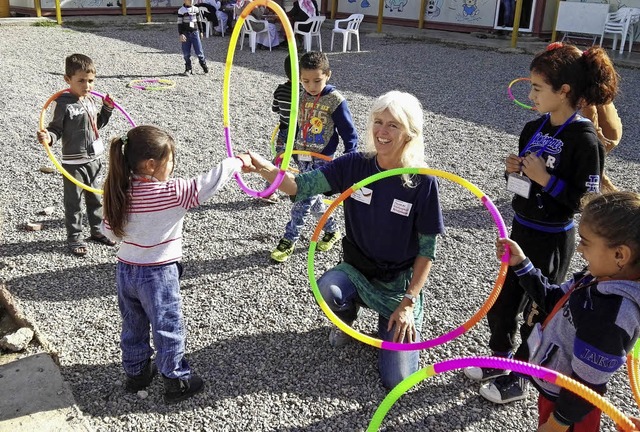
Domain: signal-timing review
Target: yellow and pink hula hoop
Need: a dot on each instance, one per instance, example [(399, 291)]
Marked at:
[(53, 157), (293, 56), (395, 346), (513, 98), (499, 363)]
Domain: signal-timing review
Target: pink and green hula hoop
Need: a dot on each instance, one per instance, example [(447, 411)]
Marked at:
[(293, 56), (52, 157), (395, 346), (499, 363)]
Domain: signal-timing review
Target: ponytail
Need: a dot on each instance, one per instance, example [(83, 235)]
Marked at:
[(116, 186), (602, 79)]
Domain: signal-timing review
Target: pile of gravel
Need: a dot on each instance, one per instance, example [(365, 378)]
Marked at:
[(255, 333)]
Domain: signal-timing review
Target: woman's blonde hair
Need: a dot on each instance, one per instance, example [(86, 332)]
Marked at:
[(407, 110)]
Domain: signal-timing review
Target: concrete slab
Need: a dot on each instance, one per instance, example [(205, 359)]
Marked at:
[(36, 398)]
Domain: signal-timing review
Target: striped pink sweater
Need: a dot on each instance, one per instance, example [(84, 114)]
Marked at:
[(153, 233)]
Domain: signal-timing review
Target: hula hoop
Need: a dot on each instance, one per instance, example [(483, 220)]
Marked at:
[(632, 369), (513, 98), (161, 84), (272, 143), (293, 56), (53, 157), (499, 363), (395, 346)]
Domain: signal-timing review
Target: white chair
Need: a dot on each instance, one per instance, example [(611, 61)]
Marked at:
[(352, 29), (314, 31), (618, 23), (203, 19), (248, 29)]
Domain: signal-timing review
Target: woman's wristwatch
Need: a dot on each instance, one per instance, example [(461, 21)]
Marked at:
[(411, 297)]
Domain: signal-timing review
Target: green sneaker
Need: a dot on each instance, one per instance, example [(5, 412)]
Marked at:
[(328, 240), (283, 251)]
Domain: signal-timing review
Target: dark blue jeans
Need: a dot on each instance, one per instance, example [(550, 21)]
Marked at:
[(193, 39), (150, 296)]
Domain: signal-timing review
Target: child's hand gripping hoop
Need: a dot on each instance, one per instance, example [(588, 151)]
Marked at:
[(395, 346), (293, 56), (53, 157)]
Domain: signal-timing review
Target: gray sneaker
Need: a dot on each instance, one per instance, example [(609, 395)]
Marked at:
[(505, 389), (338, 338)]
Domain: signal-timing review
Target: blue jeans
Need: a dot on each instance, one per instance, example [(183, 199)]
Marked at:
[(193, 38), (301, 209), (150, 296), (342, 297)]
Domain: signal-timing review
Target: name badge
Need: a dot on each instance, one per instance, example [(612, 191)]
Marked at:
[(534, 340), (98, 147), (305, 158), (519, 185), (401, 207), (363, 195)]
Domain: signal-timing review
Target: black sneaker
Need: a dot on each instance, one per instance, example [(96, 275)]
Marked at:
[(484, 374), (142, 381), (505, 389), (187, 72), (177, 390), (204, 66)]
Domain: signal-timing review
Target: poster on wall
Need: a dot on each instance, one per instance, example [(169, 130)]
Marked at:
[(470, 12), (404, 9), (75, 4)]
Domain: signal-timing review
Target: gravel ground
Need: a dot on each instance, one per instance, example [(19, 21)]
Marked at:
[(254, 331)]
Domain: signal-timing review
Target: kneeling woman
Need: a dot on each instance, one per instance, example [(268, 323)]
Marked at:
[(391, 229)]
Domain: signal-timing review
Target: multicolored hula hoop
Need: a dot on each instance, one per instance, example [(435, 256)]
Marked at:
[(53, 157), (151, 84), (632, 368), (499, 363), (395, 346), (513, 98), (293, 56)]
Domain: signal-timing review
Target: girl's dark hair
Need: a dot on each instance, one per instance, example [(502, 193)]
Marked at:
[(125, 156), (615, 217), (590, 74)]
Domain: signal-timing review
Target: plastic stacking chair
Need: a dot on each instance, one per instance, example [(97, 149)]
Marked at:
[(314, 31), (352, 29), (207, 23), (618, 23), (248, 30)]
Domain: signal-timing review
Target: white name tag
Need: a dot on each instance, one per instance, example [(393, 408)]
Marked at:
[(519, 184), (305, 158), (98, 146), (400, 207), (363, 195)]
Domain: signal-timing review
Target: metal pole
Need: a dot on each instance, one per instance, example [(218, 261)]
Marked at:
[(334, 7), (148, 11), (555, 23), (38, 9), (124, 7), (58, 12), (423, 6), (380, 12), (516, 24)]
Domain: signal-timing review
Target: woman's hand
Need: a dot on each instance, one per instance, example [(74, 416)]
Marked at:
[(535, 168), (516, 255), (259, 163), (183, 38), (403, 321)]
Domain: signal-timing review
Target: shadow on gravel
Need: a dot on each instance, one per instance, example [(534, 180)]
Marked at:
[(281, 370)]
